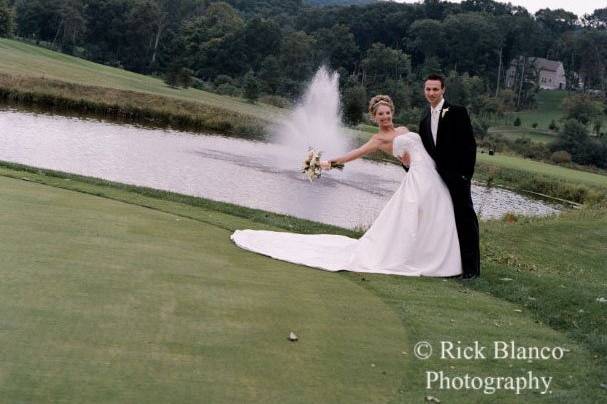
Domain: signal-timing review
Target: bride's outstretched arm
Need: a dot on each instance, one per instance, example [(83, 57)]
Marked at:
[(371, 146)]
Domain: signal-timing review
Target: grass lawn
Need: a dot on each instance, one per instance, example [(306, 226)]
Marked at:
[(117, 295), (538, 168), (513, 133), (19, 58), (548, 108)]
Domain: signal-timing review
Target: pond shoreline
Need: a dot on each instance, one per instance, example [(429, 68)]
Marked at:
[(103, 188), (126, 106), (52, 99), (255, 174)]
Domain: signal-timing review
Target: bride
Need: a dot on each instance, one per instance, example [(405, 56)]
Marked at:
[(414, 235)]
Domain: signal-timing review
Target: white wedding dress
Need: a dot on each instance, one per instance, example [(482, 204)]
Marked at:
[(414, 235)]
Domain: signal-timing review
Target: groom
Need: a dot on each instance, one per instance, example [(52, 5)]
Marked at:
[(447, 135)]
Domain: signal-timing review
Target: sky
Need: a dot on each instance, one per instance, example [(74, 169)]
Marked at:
[(579, 7)]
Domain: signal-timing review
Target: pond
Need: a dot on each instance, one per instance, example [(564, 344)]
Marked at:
[(238, 171)]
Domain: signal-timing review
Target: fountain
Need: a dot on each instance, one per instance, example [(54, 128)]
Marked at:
[(314, 122)]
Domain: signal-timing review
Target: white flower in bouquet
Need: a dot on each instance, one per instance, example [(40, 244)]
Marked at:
[(312, 166)]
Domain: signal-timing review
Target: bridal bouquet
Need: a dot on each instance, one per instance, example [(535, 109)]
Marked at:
[(312, 165)]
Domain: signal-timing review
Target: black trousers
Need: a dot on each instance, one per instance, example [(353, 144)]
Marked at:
[(467, 225)]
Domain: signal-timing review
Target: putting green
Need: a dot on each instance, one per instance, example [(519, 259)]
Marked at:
[(106, 301), (137, 298)]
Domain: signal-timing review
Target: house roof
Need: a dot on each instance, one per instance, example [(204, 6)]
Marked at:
[(543, 64)]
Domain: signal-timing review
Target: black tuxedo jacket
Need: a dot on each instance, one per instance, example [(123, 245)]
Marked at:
[(455, 149)]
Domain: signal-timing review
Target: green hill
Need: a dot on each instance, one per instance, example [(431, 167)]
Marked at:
[(548, 108), (28, 61)]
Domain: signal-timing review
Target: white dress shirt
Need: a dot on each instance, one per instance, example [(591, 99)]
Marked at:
[(435, 113)]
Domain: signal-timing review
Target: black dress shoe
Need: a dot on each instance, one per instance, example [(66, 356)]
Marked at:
[(470, 276)]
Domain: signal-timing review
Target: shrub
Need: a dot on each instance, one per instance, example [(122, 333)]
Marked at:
[(7, 23), (507, 99), (517, 121), (574, 139), (560, 157), (480, 127), (582, 107), (223, 79), (553, 126), (408, 116), (275, 100), (534, 124), (596, 127), (530, 149), (354, 102), (184, 77), (490, 106), (252, 87), (171, 77), (178, 76), (228, 89)]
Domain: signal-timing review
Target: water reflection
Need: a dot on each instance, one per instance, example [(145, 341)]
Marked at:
[(219, 168)]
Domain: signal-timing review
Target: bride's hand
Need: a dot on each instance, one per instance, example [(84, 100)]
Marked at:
[(325, 164), (405, 160)]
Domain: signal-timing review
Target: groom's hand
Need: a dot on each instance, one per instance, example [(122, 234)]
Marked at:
[(405, 160)]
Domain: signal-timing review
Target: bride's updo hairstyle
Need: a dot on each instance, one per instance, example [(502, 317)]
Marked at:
[(380, 100)]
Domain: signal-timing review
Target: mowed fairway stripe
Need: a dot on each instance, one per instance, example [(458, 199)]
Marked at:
[(106, 301)]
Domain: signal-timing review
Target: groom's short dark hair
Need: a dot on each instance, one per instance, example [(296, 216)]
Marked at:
[(436, 77)]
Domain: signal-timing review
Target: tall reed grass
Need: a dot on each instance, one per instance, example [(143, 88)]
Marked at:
[(130, 106)]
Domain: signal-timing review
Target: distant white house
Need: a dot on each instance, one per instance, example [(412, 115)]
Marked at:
[(550, 74)]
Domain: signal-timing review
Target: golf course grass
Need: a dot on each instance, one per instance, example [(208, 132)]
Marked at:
[(119, 294)]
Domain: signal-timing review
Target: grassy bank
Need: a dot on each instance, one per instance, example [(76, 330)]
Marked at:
[(215, 212), (551, 180), (35, 76), (533, 176), (131, 295), (126, 106), (556, 269), (25, 60)]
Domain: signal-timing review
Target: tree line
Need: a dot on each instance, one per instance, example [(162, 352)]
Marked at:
[(282, 42)]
